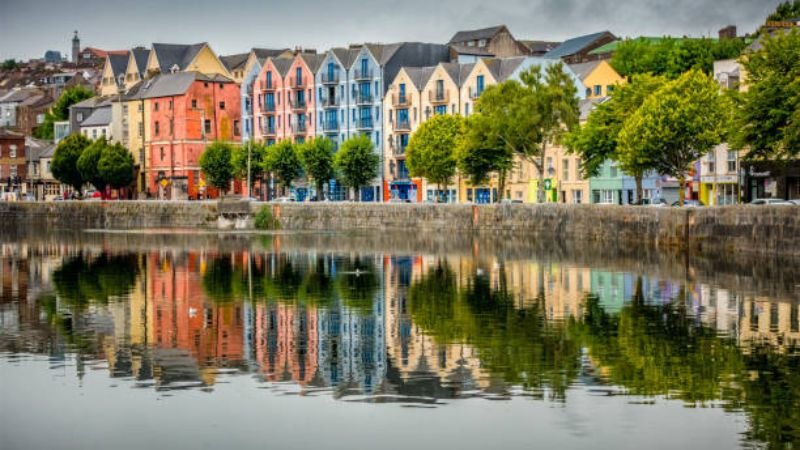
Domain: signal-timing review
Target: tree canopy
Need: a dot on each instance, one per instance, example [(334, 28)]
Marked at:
[(282, 160), (60, 110), (256, 152), (768, 114), (431, 150), (785, 11), (317, 158), (87, 164), (216, 163), (65, 160), (116, 166), (671, 56), (356, 162)]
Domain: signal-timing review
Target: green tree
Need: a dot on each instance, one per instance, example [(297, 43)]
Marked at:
[(9, 64), (116, 166), (672, 57), (431, 152), (481, 152), (60, 110), (356, 162), (676, 125), (87, 164), (768, 114), (597, 140), (216, 164), (256, 152), (785, 11), (317, 158), (282, 160), (65, 160)]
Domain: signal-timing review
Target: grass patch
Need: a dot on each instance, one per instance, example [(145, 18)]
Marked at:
[(264, 219)]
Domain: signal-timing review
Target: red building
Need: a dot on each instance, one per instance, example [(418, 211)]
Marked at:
[(13, 164), (185, 112)]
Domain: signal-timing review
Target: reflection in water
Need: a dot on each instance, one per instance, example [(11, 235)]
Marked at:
[(409, 327)]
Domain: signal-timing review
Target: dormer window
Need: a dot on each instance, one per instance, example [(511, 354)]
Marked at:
[(482, 43), (174, 69)]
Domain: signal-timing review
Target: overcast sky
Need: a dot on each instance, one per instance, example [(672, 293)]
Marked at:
[(30, 27)]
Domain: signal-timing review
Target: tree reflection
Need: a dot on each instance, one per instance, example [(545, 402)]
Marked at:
[(82, 279)]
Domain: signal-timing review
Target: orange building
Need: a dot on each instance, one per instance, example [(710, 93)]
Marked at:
[(286, 342)]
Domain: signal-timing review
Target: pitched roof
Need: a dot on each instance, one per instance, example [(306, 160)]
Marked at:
[(384, 52), (587, 105), (20, 95), (347, 56), (282, 64), (119, 63), (575, 45), (169, 84), (92, 102), (37, 100), (583, 70), (540, 47), (235, 61), (100, 117), (169, 55), (419, 75), (503, 68), (475, 51), (140, 55), (312, 60), (264, 53), (473, 35)]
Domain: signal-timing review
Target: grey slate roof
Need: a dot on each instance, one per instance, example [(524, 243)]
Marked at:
[(588, 104), (312, 60), (93, 102), (420, 75), (503, 68), (574, 45), (282, 64), (169, 84), (540, 47), (347, 56), (263, 53), (169, 55), (119, 63), (233, 62), (384, 52), (100, 117), (472, 35), (475, 51), (140, 55), (20, 95), (583, 70)]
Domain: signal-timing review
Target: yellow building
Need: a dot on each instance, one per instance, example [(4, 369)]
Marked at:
[(598, 78), (171, 58), (239, 65)]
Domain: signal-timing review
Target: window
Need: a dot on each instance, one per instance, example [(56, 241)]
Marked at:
[(732, 161), (12, 151), (577, 196), (440, 110), (205, 85), (598, 90), (612, 171), (609, 89), (94, 133), (207, 126), (482, 43), (79, 115), (712, 157), (222, 105), (221, 86), (480, 84), (155, 106), (162, 153), (608, 196), (588, 92), (236, 128), (141, 129), (466, 109), (170, 104), (157, 128), (565, 169), (171, 127), (269, 80)]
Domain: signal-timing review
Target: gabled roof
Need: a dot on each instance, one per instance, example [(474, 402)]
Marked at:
[(583, 70), (587, 105), (503, 68), (575, 45), (37, 100), (119, 63), (140, 55), (540, 47), (346, 56), (169, 55), (100, 53), (312, 60), (420, 75), (20, 95), (384, 52), (474, 51), (473, 35), (458, 72), (282, 64), (169, 84), (100, 117), (264, 53), (233, 62), (92, 102)]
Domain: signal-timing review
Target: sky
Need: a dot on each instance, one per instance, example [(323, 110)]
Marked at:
[(30, 27)]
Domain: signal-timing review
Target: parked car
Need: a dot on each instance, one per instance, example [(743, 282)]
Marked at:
[(284, 200), (770, 201), (655, 201), (690, 203), (795, 201), (508, 201)]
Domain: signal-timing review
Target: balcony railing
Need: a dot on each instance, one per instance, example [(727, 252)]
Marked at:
[(363, 99), (401, 101), (298, 105), (364, 123), (362, 74), (402, 125), (439, 96), (269, 108), (397, 150), (268, 131), (297, 83), (330, 102), (330, 126), (330, 78), (267, 87), (475, 93), (299, 128)]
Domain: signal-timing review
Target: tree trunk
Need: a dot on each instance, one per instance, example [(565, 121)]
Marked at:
[(682, 194), (320, 196), (501, 185), (639, 190), (438, 192), (357, 193), (540, 187)]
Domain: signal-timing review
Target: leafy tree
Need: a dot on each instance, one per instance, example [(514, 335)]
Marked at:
[(116, 166), (785, 11), (317, 158), (481, 152), (356, 162), (282, 160), (87, 164), (768, 116), (676, 125), (65, 160), (256, 152), (60, 110), (431, 151), (597, 140), (357, 283), (216, 164), (672, 57), (9, 64)]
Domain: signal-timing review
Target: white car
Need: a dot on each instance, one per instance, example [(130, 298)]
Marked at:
[(770, 201), (284, 200)]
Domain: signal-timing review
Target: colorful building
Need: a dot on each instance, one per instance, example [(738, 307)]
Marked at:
[(598, 78)]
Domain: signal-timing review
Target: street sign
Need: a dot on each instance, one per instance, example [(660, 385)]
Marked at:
[(164, 182), (548, 184)]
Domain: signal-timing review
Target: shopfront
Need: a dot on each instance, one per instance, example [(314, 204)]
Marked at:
[(719, 190), (772, 179)]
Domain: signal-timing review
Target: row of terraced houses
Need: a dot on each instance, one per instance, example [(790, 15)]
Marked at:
[(167, 102)]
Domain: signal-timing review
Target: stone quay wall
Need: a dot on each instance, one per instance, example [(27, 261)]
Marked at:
[(760, 229)]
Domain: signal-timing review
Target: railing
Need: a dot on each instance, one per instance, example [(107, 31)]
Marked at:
[(362, 74), (330, 78), (439, 97), (298, 105), (297, 83), (267, 87), (475, 93), (299, 128), (269, 131), (329, 102), (398, 150), (363, 99), (401, 101), (330, 126), (402, 125), (364, 123), (269, 108)]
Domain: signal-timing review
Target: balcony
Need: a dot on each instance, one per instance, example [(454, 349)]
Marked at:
[(474, 93), (299, 128), (329, 102), (330, 126), (364, 123), (401, 101), (362, 75), (267, 87), (439, 97), (330, 78), (297, 83), (402, 125), (269, 131), (269, 109), (363, 99), (397, 150), (298, 105)]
